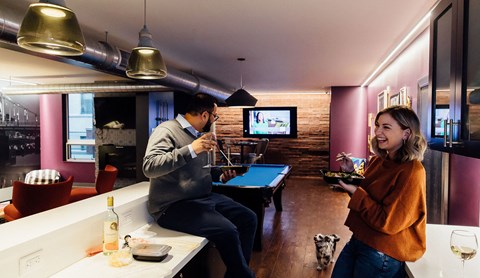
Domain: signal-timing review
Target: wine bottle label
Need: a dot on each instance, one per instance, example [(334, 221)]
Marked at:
[(110, 235)]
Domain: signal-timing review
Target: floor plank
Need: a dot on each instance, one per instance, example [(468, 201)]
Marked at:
[(310, 206)]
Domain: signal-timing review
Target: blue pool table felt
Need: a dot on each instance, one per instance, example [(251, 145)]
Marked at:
[(259, 175)]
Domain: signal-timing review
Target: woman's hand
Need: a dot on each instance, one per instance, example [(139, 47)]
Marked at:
[(346, 163), (350, 188)]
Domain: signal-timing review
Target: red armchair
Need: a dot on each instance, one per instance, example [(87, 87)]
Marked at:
[(28, 199), (104, 183)]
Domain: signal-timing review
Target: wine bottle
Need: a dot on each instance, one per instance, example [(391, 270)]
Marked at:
[(110, 229)]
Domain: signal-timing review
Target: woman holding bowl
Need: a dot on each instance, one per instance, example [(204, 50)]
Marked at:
[(387, 215)]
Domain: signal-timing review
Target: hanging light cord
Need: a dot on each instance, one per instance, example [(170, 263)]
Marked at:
[(241, 72), (145, 13)]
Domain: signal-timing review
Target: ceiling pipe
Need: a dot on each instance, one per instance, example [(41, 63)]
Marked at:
[(102, 56), (100, 87)]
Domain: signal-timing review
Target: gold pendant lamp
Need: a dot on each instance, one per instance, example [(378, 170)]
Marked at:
[(52, 28), (145, 61)]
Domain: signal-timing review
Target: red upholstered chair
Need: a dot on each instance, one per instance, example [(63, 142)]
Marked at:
[(104, 183), (28, 199)]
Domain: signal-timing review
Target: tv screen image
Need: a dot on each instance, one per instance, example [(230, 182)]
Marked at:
[(270, 122)]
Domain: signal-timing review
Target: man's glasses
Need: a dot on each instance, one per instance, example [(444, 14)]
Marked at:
[(215, 116)]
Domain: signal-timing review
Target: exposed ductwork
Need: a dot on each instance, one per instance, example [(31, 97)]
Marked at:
[(100, 87), (104, 57)]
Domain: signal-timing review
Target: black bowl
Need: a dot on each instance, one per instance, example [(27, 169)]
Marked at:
[(239, 169), (332, 177)]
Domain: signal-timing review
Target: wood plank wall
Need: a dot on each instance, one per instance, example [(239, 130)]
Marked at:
[(310, 151)]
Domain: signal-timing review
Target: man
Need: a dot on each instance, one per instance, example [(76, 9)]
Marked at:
[(180, 195)]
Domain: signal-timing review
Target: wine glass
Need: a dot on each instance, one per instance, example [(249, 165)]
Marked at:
[(211, 152), (464, 245), (209, 159)]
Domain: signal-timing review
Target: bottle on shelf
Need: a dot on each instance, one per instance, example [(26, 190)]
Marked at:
[(110, 229)]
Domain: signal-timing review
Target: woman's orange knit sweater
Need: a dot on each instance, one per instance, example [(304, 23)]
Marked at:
[(388, 210)]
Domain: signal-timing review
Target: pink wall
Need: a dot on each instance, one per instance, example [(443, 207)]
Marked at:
[(350, 105), (51, 142), (464, 202), (405, 71), (409, 67), (348, 121)]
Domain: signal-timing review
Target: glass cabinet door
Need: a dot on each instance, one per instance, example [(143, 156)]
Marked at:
[(441, 71), (471, 90), (454, 124)]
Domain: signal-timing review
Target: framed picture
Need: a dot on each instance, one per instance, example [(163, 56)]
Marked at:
[(382, 100), (371, 131), (403, 97), (371, 124), (395, 100)]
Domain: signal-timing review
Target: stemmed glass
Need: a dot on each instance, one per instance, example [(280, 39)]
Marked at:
[(464, 245), (210, 159)]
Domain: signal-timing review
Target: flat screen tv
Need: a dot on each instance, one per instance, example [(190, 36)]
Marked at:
[(109, 109), (270, 122)]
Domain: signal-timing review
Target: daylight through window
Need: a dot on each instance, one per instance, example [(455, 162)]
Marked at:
[(80, 130)]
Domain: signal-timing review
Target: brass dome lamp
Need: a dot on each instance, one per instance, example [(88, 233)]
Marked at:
[(50, 27), (145, 61)]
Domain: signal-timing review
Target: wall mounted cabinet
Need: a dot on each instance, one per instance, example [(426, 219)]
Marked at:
[(455, 78)]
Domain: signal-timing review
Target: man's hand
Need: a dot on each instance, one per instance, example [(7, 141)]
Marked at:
[(205, 143), (228, 175)]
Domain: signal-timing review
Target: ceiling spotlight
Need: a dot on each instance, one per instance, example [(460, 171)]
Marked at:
[(52, 28), (145, 61)]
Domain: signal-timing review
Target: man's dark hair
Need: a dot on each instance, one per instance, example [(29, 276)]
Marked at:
[(201, 102)]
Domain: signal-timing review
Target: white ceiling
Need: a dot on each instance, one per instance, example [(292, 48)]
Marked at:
[(302, 45)]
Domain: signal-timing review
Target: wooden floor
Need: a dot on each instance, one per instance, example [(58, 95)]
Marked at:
[(310, 206)]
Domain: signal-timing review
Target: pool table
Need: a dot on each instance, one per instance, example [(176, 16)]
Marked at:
[(255, 189)]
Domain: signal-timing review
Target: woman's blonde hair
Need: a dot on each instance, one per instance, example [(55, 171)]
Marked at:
[(415, 145)]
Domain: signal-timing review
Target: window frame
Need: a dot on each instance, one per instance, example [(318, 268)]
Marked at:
[(68, 143)]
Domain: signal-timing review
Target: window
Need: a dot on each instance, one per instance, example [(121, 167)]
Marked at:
[(80, 131)]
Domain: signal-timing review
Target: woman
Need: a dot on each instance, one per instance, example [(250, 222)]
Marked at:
[(388, 210), (260, 126), (259, 119)]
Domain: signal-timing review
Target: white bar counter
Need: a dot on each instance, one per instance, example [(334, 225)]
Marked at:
[(55, 242), (184, 248), (438, 260)]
